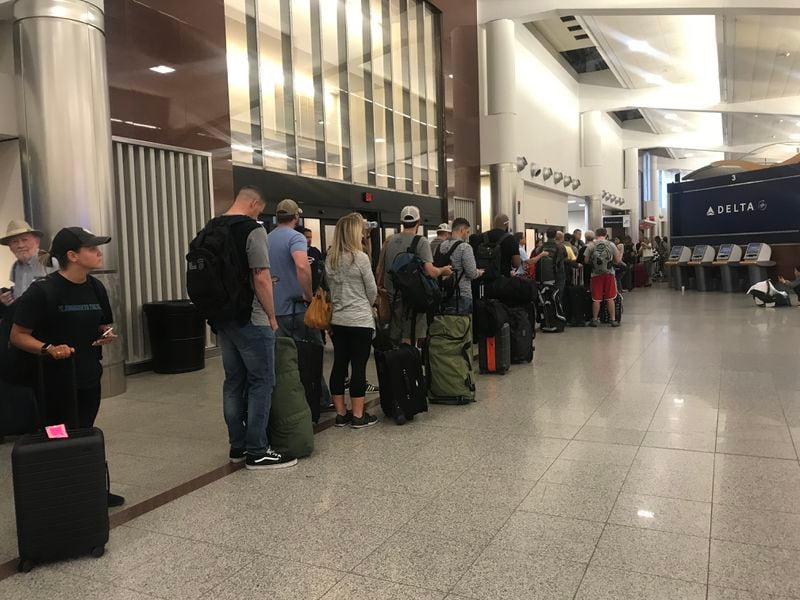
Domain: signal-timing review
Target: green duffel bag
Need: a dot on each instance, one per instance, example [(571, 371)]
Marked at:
[(290, 429), (448, 360)]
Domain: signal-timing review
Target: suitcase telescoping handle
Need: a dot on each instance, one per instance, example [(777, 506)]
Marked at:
[(41, 400)]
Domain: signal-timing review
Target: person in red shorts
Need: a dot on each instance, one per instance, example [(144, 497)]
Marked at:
[(602, 255)]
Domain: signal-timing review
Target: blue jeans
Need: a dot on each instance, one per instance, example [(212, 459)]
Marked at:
[(248, 355)]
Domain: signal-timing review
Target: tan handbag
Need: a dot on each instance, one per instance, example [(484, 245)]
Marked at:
[(318, 314)]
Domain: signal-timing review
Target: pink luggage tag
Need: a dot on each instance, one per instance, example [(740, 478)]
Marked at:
[(56, 431)]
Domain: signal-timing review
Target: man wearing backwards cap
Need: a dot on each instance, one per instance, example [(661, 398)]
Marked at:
[(23, 241), (65, 315), (443, 233)]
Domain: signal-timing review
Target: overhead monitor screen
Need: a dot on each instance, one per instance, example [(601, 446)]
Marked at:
[(675, 253), (699, 252), (752, 251), (724, 251)]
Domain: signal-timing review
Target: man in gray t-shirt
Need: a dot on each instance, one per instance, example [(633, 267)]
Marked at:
[(248, 351), (398, 243), (463, 262)]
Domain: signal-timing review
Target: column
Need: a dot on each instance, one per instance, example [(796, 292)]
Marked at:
[(594, 211), (631, 192), (65, 133), (501, 86)]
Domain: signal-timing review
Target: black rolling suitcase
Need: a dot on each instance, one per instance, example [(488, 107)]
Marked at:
[(577, 305), (522, 321), (60, 493), (617, 307), (400, 378), (494, 337)]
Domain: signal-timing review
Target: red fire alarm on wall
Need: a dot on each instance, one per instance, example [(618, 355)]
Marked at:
[(366, 196)]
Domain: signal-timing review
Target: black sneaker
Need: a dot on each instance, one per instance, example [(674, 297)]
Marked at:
[(115, 500), (344, 420), (237, 455), (373, 389), (615, 323), (269, 460), (594, 323), (366, 420)]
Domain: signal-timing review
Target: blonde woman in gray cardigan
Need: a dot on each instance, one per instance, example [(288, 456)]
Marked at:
[(353, 292)]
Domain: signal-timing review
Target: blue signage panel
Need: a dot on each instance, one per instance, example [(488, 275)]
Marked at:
[(758, 210)]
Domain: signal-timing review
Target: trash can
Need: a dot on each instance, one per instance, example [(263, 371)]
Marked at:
[(177, 336)]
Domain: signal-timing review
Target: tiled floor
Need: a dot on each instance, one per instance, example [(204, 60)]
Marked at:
[(657, 460)]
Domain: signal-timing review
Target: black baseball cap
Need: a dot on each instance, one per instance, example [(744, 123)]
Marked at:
[(75, 238)]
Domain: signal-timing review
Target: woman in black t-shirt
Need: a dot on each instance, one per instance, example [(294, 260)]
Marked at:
[(68, 315)]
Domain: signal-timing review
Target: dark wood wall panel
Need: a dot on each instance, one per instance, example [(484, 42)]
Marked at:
[(187, 108)]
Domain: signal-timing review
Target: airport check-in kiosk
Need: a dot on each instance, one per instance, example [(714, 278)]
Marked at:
[(757, 260), (679, 257), (701, 260), (728, 261)]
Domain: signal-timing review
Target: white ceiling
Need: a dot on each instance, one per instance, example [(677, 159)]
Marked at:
[(743, 56), (754, 48)]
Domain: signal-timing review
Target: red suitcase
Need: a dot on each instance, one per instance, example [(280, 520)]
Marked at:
[(640, 278)]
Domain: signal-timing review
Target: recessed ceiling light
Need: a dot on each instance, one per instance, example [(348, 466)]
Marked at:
[(450, 76), (581, 205), (755, 116), (162, 70), (450, 159), (671, 117), (780, 120), (572, 201), (639, 46)]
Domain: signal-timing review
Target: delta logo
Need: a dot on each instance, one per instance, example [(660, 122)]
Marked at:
[(735, 208)]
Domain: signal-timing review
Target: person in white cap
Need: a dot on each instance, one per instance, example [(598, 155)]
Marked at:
[(397, 244), (442, 235), (23, 241)]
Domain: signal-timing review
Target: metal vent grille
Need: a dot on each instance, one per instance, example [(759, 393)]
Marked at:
[(164, 198), (466, 209)]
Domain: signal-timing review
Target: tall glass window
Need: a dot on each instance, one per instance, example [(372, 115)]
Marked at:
[(277, 84), (343, 89)]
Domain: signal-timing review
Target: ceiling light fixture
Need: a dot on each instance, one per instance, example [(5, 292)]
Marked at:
[(450, 159), (576, 184), (557, 177), (655, 79), (572, 201), (521, 163), (547, 173), (755, 116), (567, 181), (784, 54), (639, 46), (536, 170), (162, 70)]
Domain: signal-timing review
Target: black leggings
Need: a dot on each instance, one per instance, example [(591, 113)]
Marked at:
[(351, 346)]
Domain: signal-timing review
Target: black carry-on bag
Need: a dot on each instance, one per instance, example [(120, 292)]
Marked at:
[(522, 322), (60, 490), (617, 309), (400, 377)]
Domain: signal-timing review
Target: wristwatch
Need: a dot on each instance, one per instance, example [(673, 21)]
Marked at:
[(45, 348)]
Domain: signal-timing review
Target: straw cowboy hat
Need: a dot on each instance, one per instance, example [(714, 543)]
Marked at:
[(16, 228)]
